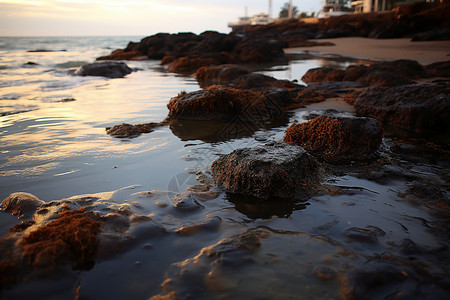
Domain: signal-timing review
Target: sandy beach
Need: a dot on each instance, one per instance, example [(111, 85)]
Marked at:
[(383, 49)]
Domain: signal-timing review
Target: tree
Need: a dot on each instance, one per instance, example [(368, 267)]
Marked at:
[(284, 12)]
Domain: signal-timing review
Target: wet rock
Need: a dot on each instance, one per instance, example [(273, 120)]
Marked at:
[(75, 231), (70, 238), (338, 139), (323, 74), (21, 204), (392, 73), (275, 170), (226, 103), (324, 273), (376, 281), (418, 107), (187, 51), (130, 131), (104, 69), (432, 35), (211, 224), (191, 64), (368, 235), (197, 277), (258, 51), (254, 81), (120, 54), (223, 74), (439, 69)]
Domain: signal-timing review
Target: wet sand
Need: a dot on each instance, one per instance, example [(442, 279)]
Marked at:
[(383, 49)]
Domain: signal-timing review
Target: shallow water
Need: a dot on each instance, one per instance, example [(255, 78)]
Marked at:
[(53, 144)]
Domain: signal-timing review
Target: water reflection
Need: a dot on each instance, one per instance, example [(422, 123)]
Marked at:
[(222, 131), (255, 208)]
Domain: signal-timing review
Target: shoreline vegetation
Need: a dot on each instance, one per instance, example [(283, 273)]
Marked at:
[(402, 88)]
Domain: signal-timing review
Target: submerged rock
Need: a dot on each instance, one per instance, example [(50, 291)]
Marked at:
[(418, 107), (274, 170), (74, 231), (105, 69), (337, 139), (130, 131)]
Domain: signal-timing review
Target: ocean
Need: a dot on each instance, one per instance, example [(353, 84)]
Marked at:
[(53, 144)]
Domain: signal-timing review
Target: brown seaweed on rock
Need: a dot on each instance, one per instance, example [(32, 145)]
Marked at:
[(72, 237), (337, 139), (130, 131)]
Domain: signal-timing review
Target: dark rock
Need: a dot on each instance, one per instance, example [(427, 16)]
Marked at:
[(223, 74), (274, 170), (418, 107), (432, 35), (368, 235), (238, 77), (191, 64), (375, 282), (323, 74), (337, 139), (21, 204), (439, 69), (120, 54), (383, 78), (254, 80), (129, 131), (258, 51), (104, 69), (390, 73), (225, 103), (46, 50)]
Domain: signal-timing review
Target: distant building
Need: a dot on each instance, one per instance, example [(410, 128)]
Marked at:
[(332, 8), (258, 19)]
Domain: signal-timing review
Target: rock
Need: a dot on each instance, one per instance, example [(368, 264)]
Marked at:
[(223, 74), (274, 170), (131, 131), (191, 64), (21, 204), (439, 69), (254, 81), (258, 51), (120, 54), (238, 77), (226, 103), (418, 107), (392, 73), (70, 238), (104, 69), (323, 74), (338, 139), (432, 35)]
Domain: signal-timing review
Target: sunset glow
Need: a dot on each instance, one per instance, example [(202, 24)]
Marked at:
[(134, 17)]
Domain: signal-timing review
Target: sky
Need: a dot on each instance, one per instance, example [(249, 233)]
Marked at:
[(129, 17)]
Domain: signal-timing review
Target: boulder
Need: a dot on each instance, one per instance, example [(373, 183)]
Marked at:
[(337, 140), (273, 170), (323, 74), (417, 107), (105, 69), (238, 77), (226, 103), (223, 74)]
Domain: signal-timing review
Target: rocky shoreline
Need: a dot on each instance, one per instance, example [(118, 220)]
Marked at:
[(82, 230)]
